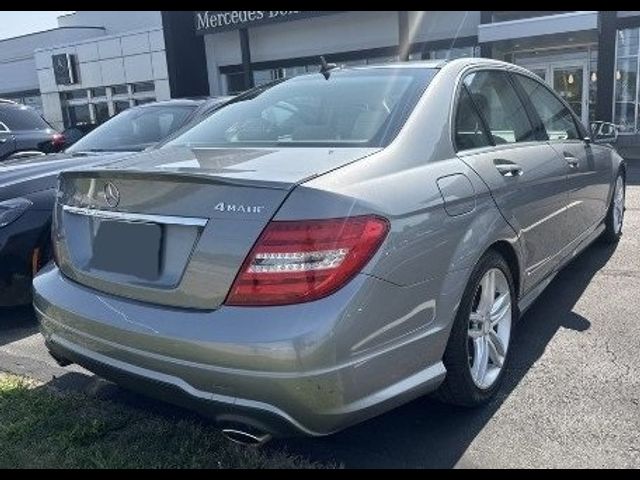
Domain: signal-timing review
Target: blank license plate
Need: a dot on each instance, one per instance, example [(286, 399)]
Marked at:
[(128, 248)]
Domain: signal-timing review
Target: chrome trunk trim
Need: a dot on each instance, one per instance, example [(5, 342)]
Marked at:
[(136, 217)]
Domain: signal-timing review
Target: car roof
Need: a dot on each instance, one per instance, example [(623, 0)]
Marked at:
[(186, 102), (408, 64), (430, 64)]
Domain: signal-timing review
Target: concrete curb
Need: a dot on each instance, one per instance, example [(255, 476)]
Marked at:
[(60, 379)]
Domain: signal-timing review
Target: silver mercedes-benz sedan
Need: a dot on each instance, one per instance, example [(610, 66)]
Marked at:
[(330, 246)]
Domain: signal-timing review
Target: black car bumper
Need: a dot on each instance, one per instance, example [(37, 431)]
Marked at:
[(21, 242)]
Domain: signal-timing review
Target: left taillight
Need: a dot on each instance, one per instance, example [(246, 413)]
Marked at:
[(57, 140), (301, 261)]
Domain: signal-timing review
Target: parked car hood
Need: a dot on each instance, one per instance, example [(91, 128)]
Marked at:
[(33, 174), (283, 167)]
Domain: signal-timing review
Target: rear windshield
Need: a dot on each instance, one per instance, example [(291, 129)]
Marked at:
[(22, 118), (134, 129), (355, 107)]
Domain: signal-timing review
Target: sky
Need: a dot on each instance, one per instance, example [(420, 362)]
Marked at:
[(17, 23)]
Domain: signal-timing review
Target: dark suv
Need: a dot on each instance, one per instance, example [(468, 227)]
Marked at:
[(22, 129)]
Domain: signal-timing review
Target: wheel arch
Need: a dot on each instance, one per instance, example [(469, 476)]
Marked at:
[(508, 252)]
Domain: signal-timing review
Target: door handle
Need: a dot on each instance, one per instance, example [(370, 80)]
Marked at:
[(509, 169), (572, 161), (3, 140)]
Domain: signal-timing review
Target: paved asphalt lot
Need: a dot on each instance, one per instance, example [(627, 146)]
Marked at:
[(572, 396)]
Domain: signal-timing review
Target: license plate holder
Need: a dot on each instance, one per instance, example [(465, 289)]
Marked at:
[(129, 248)]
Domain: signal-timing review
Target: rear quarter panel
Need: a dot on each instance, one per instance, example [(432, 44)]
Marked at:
[(429, 252), (425, 261)]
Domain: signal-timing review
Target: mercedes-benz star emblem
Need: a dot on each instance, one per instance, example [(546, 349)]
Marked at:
[(111, 195)]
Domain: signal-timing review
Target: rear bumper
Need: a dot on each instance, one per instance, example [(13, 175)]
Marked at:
[(221, 408), (276, 369)]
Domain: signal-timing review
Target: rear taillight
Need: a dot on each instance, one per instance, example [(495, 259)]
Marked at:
[(57, 140), (300, 261)]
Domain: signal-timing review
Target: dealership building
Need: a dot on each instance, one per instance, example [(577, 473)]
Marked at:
[(92, 66), (98, 63)]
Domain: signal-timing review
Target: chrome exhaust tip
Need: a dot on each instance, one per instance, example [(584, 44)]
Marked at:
[(248, 439)]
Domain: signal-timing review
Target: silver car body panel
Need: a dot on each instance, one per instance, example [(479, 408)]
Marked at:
[(375, 343)]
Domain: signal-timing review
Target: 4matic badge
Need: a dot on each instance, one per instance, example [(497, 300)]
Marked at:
[(238, 208)]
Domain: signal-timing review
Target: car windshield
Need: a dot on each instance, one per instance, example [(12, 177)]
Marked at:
[(22, 118), (354, 107), (134, 129)]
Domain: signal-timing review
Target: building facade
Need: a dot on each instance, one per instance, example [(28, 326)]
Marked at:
[(112, 60), (94, 65), (18, 73)]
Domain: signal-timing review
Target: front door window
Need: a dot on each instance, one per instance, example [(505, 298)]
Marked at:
[(556, 118), (569, 79)]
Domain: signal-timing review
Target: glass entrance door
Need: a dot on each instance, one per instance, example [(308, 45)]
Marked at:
[(568, 82), (569, 79)]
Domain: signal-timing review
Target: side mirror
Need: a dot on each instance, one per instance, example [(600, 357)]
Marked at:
[(603, 132)]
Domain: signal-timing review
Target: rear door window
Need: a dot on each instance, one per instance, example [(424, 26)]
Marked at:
[(498, 103), (22, 118), (469, 132)]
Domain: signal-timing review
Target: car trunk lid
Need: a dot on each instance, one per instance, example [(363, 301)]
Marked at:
[(173, 226)]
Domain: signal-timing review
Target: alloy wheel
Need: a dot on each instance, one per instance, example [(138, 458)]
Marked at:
[(489, 330)]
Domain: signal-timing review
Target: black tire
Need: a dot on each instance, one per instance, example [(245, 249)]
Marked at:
[(458, 387), (611, 233)]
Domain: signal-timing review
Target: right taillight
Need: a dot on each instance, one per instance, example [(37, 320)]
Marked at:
[(300, 261)]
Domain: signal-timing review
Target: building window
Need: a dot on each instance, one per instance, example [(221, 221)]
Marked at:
[(101, 112), (625, 108), (120, 105), (119, 90), (76, 115), (143, 87), (98, 92), (142, 101), (235, 83), (593, 83), (97, 105), (379, 60), (74, 95), (449, 53), (260, 77)]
